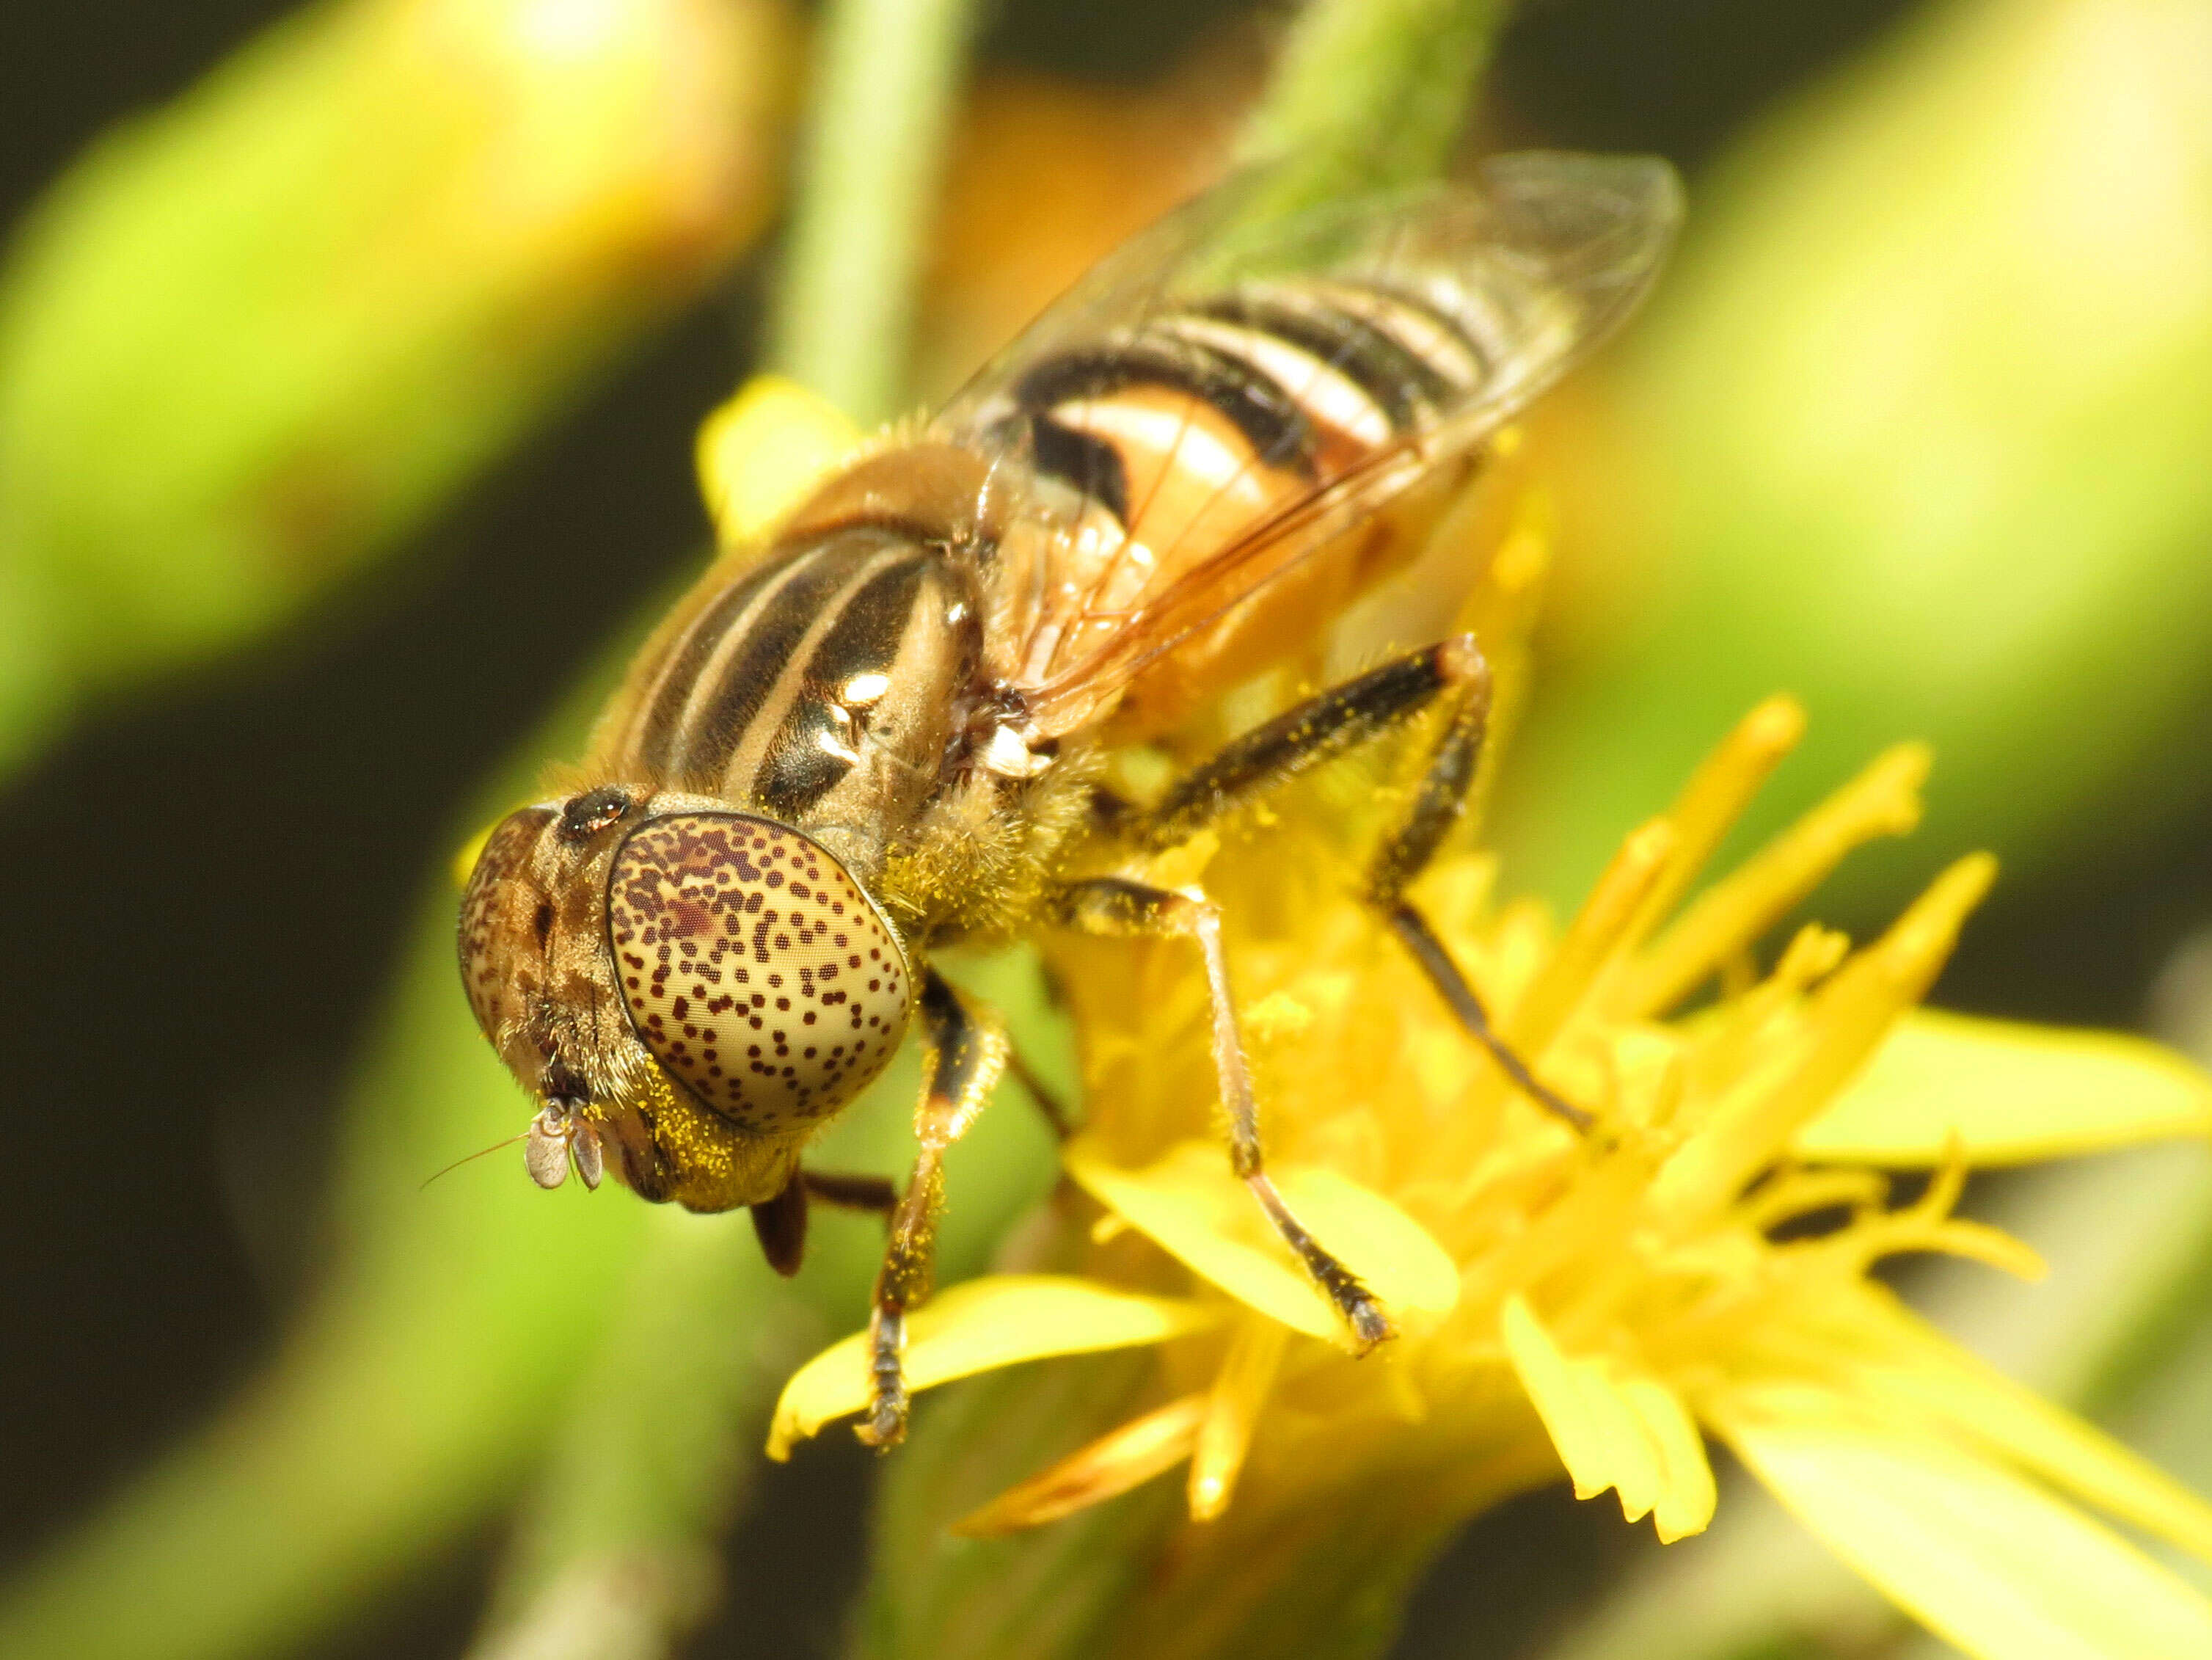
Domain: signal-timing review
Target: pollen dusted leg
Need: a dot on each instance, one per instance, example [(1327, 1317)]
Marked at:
[(1326, 726), (1109, 905), (967, 1054)]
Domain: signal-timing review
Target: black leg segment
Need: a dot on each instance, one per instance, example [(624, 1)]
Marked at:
[(1318, 730), (876, 1193), (782, 1224), (1436, 962)]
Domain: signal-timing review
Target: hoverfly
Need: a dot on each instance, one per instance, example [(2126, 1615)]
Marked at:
[(882, 729)]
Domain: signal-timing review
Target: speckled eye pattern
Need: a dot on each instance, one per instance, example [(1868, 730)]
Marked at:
[(493, 910), (753, 967)]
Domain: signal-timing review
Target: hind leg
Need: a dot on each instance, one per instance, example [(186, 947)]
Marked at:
[(1326, 726)]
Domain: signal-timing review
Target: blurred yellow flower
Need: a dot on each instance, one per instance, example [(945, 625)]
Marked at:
[(255, 337), (1696, 1266)]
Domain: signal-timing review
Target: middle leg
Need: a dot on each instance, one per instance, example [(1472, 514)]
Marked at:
[(1109, 905)]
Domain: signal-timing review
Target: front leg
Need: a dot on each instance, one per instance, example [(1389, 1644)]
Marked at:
[(967, 1053), (1109, 905)]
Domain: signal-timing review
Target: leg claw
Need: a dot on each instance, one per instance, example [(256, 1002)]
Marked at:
[(1369, 1323), (885, 1425)]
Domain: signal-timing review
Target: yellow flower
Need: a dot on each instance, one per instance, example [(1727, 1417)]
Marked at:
[(1696, 1266)]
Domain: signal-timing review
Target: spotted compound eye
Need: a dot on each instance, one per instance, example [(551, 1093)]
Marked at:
[(501, 947), (756, 969)]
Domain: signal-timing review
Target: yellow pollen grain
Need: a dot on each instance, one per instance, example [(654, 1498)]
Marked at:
[(1277, 1015), (1503, 608), (1882, 800), (1521, 562)]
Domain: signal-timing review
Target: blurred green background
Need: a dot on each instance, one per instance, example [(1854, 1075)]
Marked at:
[(323, 481)]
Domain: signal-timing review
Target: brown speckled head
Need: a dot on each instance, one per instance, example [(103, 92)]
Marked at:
[(533, 951), (754, 968), (685, 992), (501, 905)]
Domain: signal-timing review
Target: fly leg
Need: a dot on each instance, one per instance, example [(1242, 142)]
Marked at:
[(967, 1053), (1109, 905), (877, 1194), (1405, 853), (781, 1222), (1048, 1105), (1326, 726)]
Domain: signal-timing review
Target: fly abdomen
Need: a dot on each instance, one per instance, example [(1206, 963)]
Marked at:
[(1270, 388)]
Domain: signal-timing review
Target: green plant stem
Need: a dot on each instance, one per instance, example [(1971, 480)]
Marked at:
[(1369, 93), (885, 74)]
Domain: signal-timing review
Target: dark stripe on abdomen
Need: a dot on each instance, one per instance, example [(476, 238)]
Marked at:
[(1268, 416), (1091, 465), (802, 763), (1454, 324), (1403, 384)]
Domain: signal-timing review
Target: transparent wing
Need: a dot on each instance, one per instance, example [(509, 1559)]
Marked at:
[(1533, 263)]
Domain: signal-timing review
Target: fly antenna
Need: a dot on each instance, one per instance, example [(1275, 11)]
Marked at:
[(468, 1158)]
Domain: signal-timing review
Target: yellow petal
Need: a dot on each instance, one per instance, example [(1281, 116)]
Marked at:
[(1613, 1429), (1001, 1320), (2010, 1092), (757, 453), (1194, 1208), (1988, 1560), (1125, 1458), (1948, 1381), (1882, 800), (1232, 1409)]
